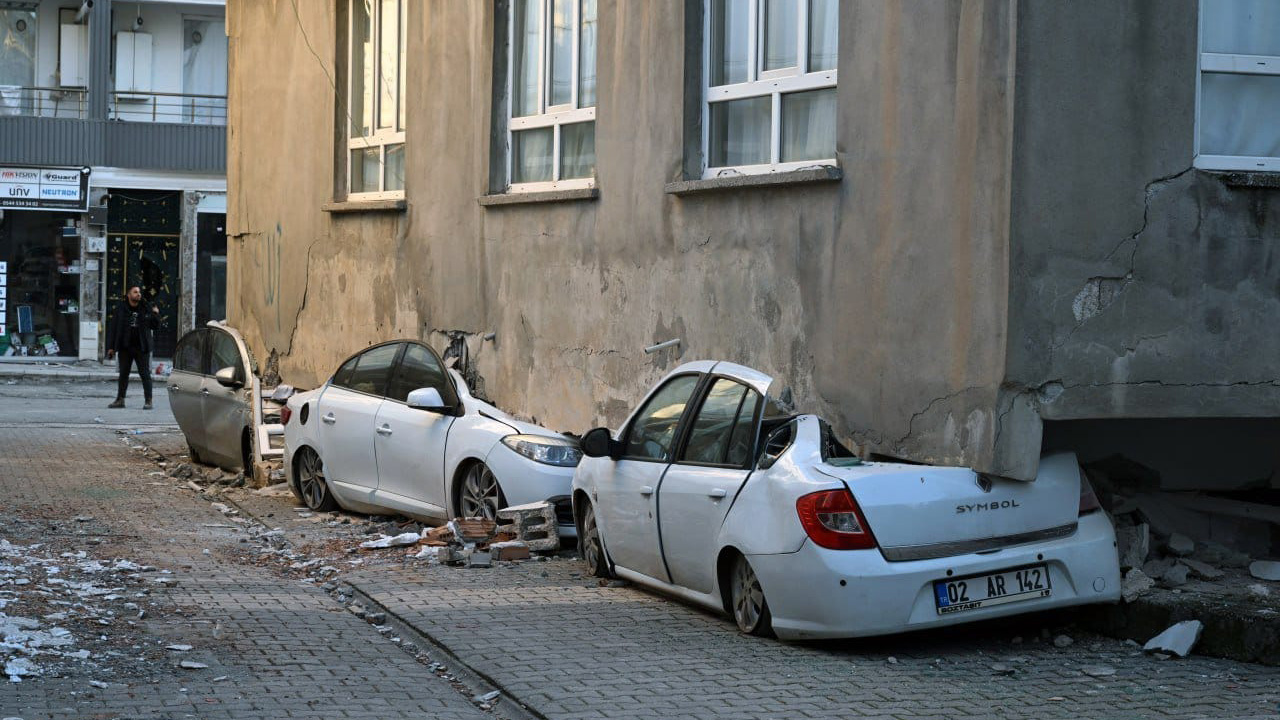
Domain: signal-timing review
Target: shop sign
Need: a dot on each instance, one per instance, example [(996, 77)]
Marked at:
[(25, 187)]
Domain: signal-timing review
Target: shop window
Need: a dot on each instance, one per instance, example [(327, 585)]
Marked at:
[(39, 284)]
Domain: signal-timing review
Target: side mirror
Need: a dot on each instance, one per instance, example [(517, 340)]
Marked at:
[(600, 443), (227, 377), (428, 399)]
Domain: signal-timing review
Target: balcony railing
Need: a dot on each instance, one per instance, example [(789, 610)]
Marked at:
[(169, 107), (35, 101), (163, 107)]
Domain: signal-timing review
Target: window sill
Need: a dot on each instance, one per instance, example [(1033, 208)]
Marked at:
[(742, 182), (1249, 178), (547, 196), (356, 206)]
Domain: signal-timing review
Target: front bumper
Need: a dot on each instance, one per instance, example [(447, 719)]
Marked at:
[(525, 481), (881, 597)]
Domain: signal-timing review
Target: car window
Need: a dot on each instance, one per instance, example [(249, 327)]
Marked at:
[(342, 378), (223, 352), (419, 368), (373, 369), (721, 430), (654, 429), (189, 355)]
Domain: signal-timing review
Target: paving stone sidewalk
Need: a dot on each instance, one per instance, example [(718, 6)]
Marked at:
[(273, 648)]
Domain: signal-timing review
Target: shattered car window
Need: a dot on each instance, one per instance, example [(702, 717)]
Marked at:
[(833, 451), (778, 439), (223, 353)]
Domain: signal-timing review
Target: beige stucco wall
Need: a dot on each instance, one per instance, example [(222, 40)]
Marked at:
[(881, 299)]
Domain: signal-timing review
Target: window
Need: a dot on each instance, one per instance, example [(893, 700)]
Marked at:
[(189, 356), (374, 110), (17, 51), (420, 369), (770, 79), (342, 378), (552, 95), (654, 429), (372, 369), (223, 353), (1239, 93), (721, 432)]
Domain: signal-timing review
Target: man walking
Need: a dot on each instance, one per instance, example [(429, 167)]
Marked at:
[(131, 340)]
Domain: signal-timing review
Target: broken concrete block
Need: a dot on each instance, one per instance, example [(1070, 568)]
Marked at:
[(409, 538), (262, 473), (1178, 639), (1175, 576), (479, 559), (449, 555), (509, 550), (469, 531), (534, 524), (440, 535), (1202, 570), (1180, 545), (1135, 584), (1221, 555), (1265, 570), (1157, 567), (1134, 543)]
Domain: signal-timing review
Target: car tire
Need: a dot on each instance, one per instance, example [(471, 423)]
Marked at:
[(590, 546), (479, 494), (746, 600), (312, 484), (193, 455)]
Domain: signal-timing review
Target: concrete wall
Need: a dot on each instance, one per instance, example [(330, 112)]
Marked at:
[(881, 299), (1140, 287)]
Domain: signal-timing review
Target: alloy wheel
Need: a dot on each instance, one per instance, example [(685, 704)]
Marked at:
[(592, 547), (750, 610), (481, 496), (312, 482)]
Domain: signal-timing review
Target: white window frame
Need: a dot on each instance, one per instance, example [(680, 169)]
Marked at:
[(554, 116), (761, 83), (1234, 64), (381, 137)]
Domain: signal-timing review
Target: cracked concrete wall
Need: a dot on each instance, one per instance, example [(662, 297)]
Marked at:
[(1140, 287), (880, 299)]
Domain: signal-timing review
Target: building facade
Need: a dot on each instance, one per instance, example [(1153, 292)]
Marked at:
[(956, 229), (112, 169)]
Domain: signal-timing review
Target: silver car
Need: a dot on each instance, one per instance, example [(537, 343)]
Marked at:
[(218, 401)]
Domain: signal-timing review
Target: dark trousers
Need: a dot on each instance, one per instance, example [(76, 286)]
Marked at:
[(129, 357)]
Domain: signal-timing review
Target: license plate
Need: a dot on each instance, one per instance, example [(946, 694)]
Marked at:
[(979, 591)]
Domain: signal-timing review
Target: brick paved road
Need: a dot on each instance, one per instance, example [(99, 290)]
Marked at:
[(282, 649)]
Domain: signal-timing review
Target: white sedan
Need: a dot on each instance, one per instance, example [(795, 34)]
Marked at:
[(716, 493), (393, 430)]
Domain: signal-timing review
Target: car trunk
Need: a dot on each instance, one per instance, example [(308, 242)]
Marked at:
[(921, 511)]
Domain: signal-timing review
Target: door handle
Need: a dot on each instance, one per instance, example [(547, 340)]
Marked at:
[(646, 490), (384, 430), (328, 419), (204, 391), (716, 493)]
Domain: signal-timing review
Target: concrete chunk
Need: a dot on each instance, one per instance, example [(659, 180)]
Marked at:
[(1202, 570), (1178, 639), (1265, 570), (1134, 543), (534, 524), (1180, 545), (1135, 584), (1175, 576)]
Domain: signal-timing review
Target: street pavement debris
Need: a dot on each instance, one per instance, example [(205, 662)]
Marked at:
[(1135, 584), (1202, 570), (1177, 639), (1265, 570), (1063, 641), (1098, 671), (401, 540), (1180, 545), (192, 665)]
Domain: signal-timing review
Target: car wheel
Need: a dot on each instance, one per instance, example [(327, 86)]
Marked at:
[(480, 495), (312, 483), (750, 609), (590, 545), (192, 454)]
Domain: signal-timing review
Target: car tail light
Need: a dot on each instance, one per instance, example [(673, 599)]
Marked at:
[(286, 412), (832, 519), (1088, 498)]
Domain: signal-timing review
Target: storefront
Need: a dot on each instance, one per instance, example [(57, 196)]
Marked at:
[(41, 210)]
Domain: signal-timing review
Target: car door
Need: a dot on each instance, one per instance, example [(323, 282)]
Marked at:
[(410, 443), (347, 410), (226, 409), (626, 490), (699, 488), (185, 383)]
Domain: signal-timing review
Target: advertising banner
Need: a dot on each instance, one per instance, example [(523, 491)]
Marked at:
[(25, 187)]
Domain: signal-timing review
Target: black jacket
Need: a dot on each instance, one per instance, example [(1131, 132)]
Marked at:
[(118, 339)]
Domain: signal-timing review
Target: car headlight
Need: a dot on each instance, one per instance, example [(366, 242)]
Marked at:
[(546, 450)]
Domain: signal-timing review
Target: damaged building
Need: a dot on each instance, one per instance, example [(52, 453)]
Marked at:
[(966, 232)]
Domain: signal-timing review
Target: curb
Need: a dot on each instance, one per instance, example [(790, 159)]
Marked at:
[(1232, 631), (511, 707)]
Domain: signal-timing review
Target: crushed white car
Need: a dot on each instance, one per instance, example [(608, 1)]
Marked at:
[(394, 430), (716, 492)]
